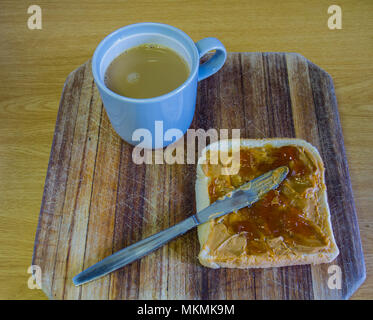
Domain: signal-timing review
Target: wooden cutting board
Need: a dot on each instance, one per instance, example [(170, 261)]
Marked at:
[(97, 201)]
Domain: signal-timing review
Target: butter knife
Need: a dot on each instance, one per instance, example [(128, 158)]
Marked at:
[(241, 197)]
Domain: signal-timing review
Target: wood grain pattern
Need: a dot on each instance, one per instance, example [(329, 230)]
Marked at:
[(97, 201)]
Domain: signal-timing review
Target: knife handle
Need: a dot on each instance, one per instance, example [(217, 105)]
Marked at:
[(134, 251)]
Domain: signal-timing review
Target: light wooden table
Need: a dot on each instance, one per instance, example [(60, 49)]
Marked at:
[(35, 63)]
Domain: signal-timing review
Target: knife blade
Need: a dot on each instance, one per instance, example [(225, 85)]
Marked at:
[(244, 196)]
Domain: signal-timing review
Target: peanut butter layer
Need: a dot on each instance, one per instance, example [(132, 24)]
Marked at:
[(284, 220)]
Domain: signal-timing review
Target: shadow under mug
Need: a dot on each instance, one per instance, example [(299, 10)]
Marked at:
[(146, 121)]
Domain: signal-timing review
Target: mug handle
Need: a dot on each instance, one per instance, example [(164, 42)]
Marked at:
[(215, 62)]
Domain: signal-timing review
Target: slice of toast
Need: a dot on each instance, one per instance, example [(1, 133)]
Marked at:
[(288, 226)]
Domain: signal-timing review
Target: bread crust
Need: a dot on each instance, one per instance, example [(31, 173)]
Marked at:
[(245, 261)]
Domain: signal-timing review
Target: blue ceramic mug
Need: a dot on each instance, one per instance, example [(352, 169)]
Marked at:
[(174, 110)]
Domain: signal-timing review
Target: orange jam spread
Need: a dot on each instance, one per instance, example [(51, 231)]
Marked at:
[(287, 218)]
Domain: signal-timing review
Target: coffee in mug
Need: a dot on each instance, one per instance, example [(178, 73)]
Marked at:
[(146, 71)]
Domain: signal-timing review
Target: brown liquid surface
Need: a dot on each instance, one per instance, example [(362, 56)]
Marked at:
[(280, 213), (146, 71)]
